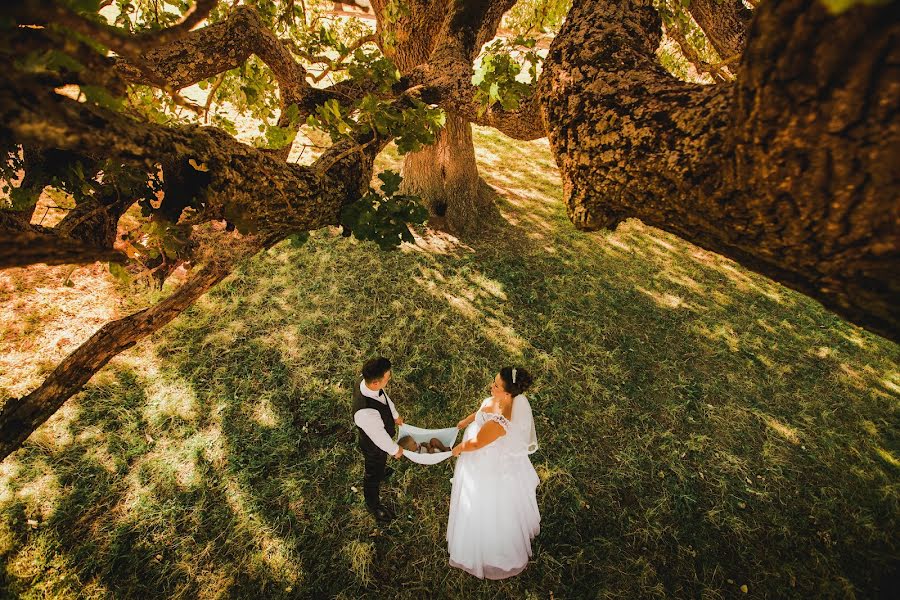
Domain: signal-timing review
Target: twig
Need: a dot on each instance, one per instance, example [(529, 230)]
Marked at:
[(212, 93)]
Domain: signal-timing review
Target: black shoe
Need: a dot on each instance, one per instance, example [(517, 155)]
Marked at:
[(381, 513), (387, 473)]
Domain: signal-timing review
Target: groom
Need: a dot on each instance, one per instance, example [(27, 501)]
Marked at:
[(376, 419)]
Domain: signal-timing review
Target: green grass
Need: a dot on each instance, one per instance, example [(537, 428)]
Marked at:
[(701, 427)]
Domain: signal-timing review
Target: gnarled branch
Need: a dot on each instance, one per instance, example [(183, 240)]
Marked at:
[(786, 171), (20, 416)]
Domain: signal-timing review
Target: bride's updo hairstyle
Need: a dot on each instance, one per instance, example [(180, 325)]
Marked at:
[(522, 381)]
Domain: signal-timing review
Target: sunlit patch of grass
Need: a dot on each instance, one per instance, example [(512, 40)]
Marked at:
[(360, 555)]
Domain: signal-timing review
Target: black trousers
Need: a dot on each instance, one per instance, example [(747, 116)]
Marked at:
[(373, 475)]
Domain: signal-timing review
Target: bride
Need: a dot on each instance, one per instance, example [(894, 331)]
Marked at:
[(493, 507)]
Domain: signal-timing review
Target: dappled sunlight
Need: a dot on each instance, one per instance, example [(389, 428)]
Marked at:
[(686, 281), (720, 333), (505, 337), (491, 286), (891, 383), (788, 433), (263, 413), (433, 241), (170, 399), (229, 334), (42, 318), (40, 497), (273, 550), (665, 300), (484, 155), (462, 306), (888, 457)]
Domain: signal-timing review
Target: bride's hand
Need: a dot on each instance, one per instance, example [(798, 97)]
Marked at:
[(463, 424), (457, 450)]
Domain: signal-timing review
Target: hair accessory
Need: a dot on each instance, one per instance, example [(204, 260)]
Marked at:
[(514, 375)]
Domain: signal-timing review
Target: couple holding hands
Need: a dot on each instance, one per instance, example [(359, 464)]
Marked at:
[(493, 503)]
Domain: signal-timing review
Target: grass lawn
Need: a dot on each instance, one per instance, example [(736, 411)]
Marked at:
[(702, 429)]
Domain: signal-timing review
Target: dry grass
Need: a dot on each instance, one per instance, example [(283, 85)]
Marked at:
[(701, 428)]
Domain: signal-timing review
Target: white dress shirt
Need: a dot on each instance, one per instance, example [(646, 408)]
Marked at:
[(369, 420)]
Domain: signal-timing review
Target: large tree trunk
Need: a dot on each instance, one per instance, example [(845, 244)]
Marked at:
[(791, 171), (445, 175)]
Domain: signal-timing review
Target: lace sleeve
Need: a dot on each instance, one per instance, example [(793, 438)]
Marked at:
[(500, 419)]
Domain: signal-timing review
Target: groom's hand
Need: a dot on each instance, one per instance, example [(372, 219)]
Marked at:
[(399, 453), (399, 420)]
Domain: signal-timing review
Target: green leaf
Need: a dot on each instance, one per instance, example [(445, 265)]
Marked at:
[(101, 97), (478, 77), (392, 181), (494, 92), (119, 272)]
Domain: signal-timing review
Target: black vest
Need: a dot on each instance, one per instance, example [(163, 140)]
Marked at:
[(360, 402)]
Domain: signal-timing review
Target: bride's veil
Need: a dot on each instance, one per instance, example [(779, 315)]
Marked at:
[(523, 421)]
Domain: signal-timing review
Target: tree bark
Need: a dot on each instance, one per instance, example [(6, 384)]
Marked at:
[(20, 249), (725, 23), (791, 172), (445, 175), (19, 417), (295, 197)]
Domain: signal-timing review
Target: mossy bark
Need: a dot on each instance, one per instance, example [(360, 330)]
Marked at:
[(791, 171)]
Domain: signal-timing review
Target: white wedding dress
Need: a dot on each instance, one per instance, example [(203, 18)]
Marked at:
[(493, 506)]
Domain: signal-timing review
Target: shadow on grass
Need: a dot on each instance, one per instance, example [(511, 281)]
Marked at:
[(701, 428)]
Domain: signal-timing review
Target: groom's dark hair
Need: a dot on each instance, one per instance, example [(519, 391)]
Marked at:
[(375, 368)]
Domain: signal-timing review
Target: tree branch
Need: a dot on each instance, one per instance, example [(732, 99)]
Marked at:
[(725, 23), (718, 74), (295, 197), (119, 41), (446, 79), (785, 171), (220, 47), (32, 247), (19, 417)]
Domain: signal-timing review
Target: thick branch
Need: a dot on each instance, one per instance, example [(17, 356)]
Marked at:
[(789, 174), (294, 197), (446, 78), (119, 41), (223, 46), (33, 247), (21, 416), (725, 23)]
